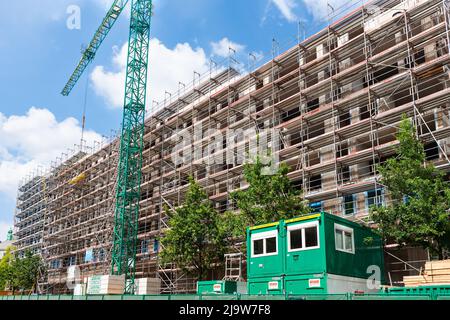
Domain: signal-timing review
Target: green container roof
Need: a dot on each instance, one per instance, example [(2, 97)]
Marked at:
[(301, 218)]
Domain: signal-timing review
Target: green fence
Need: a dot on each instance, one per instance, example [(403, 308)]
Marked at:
[(357, 297)]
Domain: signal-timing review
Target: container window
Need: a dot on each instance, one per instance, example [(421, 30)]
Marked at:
[(271, 245), (296, 239), (348, 241), (304, 236), (339, 240), (344, 239), (264, 243), (258, 247), (311, 237)]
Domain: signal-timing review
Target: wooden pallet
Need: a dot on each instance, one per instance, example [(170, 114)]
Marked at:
[(438, 265), (436, 272)]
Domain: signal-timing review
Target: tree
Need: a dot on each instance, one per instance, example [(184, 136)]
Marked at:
[(268, 198), (27, 271), (20, 274), (419, 211), (195, 239), (6, 270)]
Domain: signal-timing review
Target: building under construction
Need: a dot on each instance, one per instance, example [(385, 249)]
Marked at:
[(29, 217), (330, 107)]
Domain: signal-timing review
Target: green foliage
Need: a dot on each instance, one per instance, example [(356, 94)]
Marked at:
[(368, 241), (418, 213), (6, 271), (268, 198), (20, 274), (27, 271), (196, 238)]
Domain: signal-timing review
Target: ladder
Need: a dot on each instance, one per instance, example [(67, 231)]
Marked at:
[(233, 267)]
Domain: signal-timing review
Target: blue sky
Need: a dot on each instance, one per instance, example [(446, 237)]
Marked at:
[(39, 53)]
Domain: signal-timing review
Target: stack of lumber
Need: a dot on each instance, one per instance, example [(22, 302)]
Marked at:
[(106, 285), (80, 289), (435, 273), (148, 286)]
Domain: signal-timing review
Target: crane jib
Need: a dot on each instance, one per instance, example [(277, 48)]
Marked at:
[(89, 54)]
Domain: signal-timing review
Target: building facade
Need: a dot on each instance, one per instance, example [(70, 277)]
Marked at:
[(29, 215)]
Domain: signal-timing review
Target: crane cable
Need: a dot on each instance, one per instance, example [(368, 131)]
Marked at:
[(83, 119)]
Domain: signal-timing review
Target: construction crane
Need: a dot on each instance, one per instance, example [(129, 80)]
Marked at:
[(123, 256)]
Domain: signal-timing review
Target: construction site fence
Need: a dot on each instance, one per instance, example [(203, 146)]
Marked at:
[(235, 297)]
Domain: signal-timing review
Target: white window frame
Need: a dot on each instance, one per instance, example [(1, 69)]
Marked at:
[(303, 226), (344, 229), (263, 236)]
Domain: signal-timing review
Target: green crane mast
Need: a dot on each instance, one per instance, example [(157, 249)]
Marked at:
[(123, 259)]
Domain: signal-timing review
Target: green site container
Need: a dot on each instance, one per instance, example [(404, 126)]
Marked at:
[(314, 254), (221, 287), (266, 286)]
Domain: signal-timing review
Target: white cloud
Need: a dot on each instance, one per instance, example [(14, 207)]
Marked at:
[(31, 140), (167, 68), (320, 9), (109, 85), (286, 8), (222, 48), (28, 141)]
